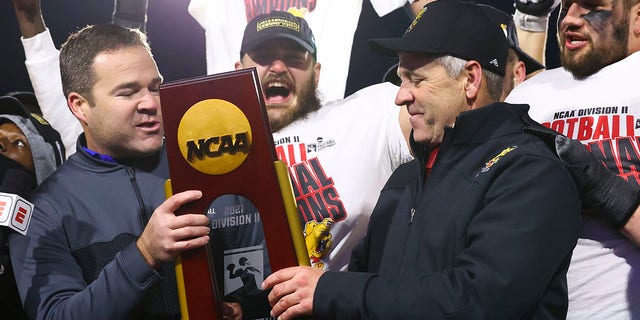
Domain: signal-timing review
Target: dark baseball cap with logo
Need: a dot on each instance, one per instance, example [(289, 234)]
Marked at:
[(451, 27), (277, 24), (505, 21)]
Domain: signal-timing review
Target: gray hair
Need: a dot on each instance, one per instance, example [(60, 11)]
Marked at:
[(454, 67)]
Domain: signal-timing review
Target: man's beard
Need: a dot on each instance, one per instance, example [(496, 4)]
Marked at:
[(308, 102), (598, 58)]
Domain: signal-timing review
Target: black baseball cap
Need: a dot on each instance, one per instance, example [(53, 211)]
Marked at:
[(451, 27), (28, 100), (277, 24), (505, 22)]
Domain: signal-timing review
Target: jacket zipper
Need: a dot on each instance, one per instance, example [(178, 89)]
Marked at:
[(144, 215), (144, 219)]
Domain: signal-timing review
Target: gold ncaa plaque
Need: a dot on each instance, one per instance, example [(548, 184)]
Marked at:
[(218, 140)]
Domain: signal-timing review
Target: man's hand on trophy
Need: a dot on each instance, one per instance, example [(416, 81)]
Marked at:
[(166, 235)]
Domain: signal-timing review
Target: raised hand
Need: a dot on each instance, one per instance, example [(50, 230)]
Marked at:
[(533, 15), (130, 13), (536, 8), (29, 17)]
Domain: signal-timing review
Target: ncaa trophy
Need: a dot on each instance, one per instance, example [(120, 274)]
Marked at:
[(219, 141)]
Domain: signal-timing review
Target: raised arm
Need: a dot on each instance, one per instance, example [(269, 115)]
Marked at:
[(532, 23), (130, 13), (42, 64)]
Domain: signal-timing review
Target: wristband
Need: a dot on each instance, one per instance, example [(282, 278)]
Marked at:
[(531, 23)]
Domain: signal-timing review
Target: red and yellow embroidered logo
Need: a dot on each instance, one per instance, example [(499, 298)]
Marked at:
[(497, 158)]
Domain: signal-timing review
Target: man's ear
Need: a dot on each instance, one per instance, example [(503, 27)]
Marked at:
[(238, 65), (473, 80), (519, 73), (78, 106), (634, 19), (316, 70)]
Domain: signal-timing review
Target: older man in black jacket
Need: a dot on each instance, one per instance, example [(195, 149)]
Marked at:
[(486, 223)]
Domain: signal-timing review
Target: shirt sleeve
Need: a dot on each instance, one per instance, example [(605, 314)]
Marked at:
[(197, 9), (42, 62)]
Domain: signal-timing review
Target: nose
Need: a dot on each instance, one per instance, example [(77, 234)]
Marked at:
[(572, 17), (278, 66), (404, 97), (150, 102)]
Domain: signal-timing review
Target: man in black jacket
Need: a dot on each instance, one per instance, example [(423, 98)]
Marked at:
[(488, 217)]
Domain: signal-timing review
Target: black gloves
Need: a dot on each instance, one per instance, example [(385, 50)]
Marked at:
[(533, 15), (536, 8), (614, 198), (130, 13)]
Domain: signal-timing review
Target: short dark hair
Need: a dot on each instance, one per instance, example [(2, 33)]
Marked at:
[(78, 53), (629, 3)]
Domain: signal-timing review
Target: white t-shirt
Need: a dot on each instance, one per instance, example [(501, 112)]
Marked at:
[(602, 111), (333, 23), (339, 158)]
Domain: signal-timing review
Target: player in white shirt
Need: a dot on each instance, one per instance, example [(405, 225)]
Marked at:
[(592, 98), (334, 23)]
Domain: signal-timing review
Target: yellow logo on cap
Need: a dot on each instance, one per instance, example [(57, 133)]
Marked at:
[(415, 21), (298, 12), (504, 30), (278, 22), (214, 136)]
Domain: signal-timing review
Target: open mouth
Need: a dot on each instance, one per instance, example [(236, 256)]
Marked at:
[(574, 41), (277, 92)]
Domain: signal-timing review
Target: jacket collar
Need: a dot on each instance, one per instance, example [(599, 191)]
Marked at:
[(478, 125), (148, 163)]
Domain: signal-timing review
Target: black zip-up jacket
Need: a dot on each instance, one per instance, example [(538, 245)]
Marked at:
[(488, 235), (79, 259)]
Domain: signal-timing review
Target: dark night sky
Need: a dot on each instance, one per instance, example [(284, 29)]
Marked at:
[(177, 40)]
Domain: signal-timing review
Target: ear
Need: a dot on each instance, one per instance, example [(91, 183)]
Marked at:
[(78, 106), (519, 73), (316, 69), (238, 65), (634, 20), (473, 80)]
